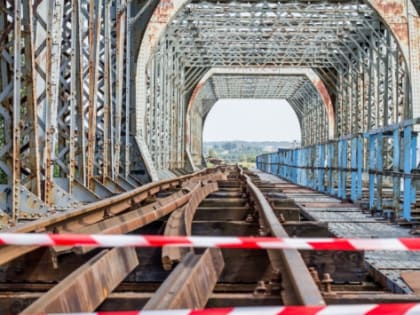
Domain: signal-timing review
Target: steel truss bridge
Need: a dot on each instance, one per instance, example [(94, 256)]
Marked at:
[(98, 97)]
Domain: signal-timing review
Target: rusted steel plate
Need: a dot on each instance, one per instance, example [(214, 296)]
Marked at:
[(76, 219), (412, 278), (190, 284), (88, 286), (174, 226), (112, 202), (135, 219), (8, 253), (179, 223)]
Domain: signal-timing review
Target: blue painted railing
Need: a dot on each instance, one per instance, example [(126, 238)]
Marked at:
[(348, 166)]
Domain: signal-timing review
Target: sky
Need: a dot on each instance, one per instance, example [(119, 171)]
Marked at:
[(251, 120)]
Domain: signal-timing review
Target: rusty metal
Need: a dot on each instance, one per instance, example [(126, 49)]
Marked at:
[(179, 223), (180, 289), (88, 286), (76, 219), (297, 276), (412, 278), (326, 282)]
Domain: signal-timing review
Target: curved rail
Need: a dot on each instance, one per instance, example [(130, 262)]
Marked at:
[(87, 215)]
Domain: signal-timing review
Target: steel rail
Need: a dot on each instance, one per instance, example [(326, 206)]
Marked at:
[(191, 283), (92, 213), (305, 290), (180, 222)]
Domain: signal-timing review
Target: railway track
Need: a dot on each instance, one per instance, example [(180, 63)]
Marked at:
[(221, 202)]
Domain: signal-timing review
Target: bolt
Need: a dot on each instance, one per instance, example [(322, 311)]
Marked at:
[(261, 288), (326, 281), (282, 219), (262, 232), (249, 218)]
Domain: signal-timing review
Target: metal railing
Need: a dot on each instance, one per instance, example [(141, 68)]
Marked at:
[(381, 163)]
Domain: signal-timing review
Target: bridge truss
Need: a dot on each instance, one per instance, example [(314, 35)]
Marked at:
[(98, 97)]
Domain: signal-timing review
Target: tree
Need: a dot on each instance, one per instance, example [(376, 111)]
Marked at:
[(212, 153)]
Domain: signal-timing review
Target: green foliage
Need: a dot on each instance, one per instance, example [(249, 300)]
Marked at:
[(212, 153), (241, 151)]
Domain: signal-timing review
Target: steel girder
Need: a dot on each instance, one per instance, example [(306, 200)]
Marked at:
[(301, 87), (64, 111), (70, 130), (364, 53)]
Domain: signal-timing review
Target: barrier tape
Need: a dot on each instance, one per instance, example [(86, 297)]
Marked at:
[(362, 309), (100, 240)]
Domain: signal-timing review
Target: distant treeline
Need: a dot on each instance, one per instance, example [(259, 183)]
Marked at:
[(242, 151)]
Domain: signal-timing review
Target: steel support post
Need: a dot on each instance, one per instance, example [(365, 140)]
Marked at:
[(407, 146), (372, 168)]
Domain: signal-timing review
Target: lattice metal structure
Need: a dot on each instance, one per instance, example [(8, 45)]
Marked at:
[(99, 96), (65, 130), (362, 62), (296, 89)]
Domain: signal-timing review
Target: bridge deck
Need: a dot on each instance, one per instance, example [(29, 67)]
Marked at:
[(348, 220)]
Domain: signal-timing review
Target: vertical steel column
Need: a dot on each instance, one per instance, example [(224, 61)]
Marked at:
[(413, 165), (128, 90), (330, 161), (342, 168), (379, 171), (76, 100), (396, 180), (17, 77), (321, 167), (33, 161), (108, 97), (95, 20), (354, 168), (407, 172), (372, 166), (54, 38), (359, 189)]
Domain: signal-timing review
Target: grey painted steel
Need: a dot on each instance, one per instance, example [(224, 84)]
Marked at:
[(96, 90)]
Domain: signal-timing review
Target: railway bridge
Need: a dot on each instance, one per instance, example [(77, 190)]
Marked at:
[(103, 103)]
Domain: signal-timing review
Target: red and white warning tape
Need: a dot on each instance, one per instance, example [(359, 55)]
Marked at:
[(363, 309), (100, 240)]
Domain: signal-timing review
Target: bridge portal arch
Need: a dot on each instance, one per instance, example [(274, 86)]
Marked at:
[(365, 54)]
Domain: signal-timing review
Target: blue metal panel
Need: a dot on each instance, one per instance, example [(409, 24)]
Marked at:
[(354, 173), (396, 190), (324, 166), (372, 140), (413, 165), (359, 167), (330, 185), (379, 170), (407, 169), (321, 167)]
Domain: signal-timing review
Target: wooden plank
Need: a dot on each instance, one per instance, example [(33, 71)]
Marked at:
[(191, 283), (88, 286)]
